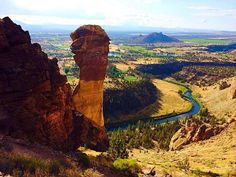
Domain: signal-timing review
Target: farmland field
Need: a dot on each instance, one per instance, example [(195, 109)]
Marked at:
[(202, 41)]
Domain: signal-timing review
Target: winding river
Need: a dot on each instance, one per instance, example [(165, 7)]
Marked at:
[(159, 120)]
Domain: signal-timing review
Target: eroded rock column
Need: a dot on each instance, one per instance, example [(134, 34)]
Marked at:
[(90, 46)]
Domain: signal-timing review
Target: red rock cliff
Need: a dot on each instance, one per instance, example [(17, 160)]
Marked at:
[(90, 46), (35, 99)]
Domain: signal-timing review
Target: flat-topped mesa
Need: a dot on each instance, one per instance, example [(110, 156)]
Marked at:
[(90, 46)]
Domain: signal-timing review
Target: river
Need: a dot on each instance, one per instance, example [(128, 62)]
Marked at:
[(159, 120)]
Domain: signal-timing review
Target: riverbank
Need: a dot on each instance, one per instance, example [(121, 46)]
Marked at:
[(194, 108), (168, 102)]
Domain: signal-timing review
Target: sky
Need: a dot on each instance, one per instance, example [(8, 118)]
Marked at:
[(193, 14)]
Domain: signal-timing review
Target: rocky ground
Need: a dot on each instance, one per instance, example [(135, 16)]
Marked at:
[(204, 158)]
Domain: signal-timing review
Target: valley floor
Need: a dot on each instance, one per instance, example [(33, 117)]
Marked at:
[(170, 100)]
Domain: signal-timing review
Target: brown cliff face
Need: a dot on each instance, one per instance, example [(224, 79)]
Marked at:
[(90, 46), (35, 99)]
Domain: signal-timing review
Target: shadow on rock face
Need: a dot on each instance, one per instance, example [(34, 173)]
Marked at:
[(35, 99)]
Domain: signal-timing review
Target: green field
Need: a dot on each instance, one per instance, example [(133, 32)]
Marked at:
[(64, 46), (140, 50), (201, 41), (130, 78)]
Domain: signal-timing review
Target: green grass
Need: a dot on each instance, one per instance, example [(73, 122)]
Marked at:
[(182, 87), (130, 78), (201, 41), (64, 46), (23, 164), (126, 165), (139, 49)]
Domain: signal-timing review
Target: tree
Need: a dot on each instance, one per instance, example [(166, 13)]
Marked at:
[(66, 70), (204, 112), (118, 145)]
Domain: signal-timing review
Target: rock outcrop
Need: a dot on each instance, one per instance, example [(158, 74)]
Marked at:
[(35, 99), (194, 130), (90, 46)]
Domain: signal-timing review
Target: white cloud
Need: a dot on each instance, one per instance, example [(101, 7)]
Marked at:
[(201, 8), (110, 12), (149, 13), (207, 11), (34, 19)]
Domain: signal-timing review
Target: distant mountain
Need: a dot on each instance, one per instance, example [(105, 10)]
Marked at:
[(153, 38), (158, 37)]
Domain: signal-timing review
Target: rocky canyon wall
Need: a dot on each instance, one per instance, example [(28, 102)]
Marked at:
[(35, 99), (90, 46)]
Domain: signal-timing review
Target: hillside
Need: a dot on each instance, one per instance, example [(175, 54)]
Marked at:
[(221, 103), (212, 157), (153, 38)]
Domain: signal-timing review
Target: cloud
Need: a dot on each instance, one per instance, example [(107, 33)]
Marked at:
[(201, 8), (207, 11), (102, 12), (149, 13)]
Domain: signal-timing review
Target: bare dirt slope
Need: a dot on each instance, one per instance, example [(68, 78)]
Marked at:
[(215, 155), (170, 101), (219, 102)]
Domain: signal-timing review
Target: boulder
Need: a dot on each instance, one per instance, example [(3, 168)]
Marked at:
[(193, 130)]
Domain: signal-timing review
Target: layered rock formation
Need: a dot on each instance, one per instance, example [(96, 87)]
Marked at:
[(90, 46), (35, 99), (192, 131)]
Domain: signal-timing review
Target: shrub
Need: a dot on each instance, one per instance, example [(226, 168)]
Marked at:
[(126, 165), (27, 166), (84, 159), (204, 112), (66, 70), (22, 164), (184, 165)]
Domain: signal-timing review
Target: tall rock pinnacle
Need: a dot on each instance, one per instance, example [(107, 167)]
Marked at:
[(90, 46), (36, 100)]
